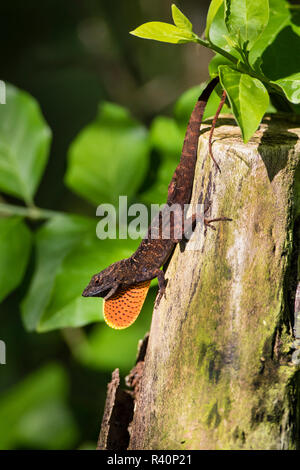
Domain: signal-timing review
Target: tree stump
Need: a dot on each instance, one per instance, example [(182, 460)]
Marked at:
[(218, 372)]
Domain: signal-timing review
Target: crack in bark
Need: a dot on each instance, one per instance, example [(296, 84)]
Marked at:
[(119, 405)]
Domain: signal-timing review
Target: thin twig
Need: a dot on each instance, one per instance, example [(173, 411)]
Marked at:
[(34, 213)]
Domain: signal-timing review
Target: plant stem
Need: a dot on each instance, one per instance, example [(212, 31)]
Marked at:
[(234, 60), (210, 45), (34, 212)]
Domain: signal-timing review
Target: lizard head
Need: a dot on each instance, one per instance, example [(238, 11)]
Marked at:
[(101, 283), (122, 301)]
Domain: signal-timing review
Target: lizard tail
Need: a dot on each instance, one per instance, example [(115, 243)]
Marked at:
[(180, 188), (192, 134)]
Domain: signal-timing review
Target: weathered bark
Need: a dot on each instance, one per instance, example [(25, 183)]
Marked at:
[(218, 371), (118, 413), (118, 410)]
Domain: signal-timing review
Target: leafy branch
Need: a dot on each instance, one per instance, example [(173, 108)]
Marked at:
[(239, 31)]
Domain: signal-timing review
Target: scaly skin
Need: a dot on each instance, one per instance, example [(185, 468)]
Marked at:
[(153, 253)]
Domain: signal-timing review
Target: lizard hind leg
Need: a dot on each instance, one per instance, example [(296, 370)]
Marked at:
[(122, 308), (208, 222), (213, 128)]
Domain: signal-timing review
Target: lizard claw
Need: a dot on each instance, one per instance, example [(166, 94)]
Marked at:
[(158, 299), (161, 293)]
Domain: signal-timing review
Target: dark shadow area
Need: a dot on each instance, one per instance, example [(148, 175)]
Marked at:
[(294, 396), (291, 281), (281, 58), (118, 413), (277, 141), (296, 16)]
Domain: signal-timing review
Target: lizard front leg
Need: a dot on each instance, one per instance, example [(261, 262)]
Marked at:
[(161, 285), (112, 291)]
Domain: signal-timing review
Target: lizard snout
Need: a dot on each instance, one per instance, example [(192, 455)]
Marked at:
[(95, 291)]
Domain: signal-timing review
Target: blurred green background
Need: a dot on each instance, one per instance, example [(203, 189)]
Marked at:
[(110, 100)]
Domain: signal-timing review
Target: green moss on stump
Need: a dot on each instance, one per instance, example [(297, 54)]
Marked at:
[(217, 372)]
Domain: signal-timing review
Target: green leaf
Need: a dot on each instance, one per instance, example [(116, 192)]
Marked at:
[(272, 54), (180, 20), (162, 127), (213, 66), (218, 32), (109, 157), (291, 87), (15, 244), (36, 414), (24, 144), (53, 243), (212, 11), (67, 307), (68, 254), (164, 32), (248, 98), (158, 191), (279, 19), (168, 150), (246, 20), (295, 18)]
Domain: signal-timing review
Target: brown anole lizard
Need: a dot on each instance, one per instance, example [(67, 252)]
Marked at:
[(124, 284)]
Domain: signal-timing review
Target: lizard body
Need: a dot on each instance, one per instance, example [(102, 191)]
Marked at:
[(144, 264)]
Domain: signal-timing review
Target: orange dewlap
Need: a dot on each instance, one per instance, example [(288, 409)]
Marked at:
[(123, 308)]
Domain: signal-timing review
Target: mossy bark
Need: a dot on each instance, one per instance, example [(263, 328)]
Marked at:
[(218, 371)]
